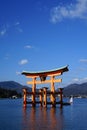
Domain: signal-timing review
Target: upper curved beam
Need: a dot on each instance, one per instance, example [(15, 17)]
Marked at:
[(54, 72)]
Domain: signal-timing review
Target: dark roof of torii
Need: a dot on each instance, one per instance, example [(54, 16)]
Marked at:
[(45, 73)]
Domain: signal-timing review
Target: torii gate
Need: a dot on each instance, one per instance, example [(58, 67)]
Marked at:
[(43, 92)]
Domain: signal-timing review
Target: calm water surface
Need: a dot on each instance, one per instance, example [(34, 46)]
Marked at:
[(14, 117)]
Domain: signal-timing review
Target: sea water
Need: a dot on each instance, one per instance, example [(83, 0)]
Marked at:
[(13, 116)]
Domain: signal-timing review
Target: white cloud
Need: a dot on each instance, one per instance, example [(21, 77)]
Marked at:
[(7, 56), (79, 80), (19, 30), (23, 61), (18, 73), (76, 80), (17, 23), (17, 27), (6, 28), (28, 46), (84, 79), (78, 10), (3, 32), (83, 60)]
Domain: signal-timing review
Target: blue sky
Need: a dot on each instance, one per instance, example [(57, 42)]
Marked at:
[(38, 35)]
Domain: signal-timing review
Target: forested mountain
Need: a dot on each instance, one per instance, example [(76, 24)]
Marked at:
[(12, 85), (9, 89), (5, 93), (76, 89)]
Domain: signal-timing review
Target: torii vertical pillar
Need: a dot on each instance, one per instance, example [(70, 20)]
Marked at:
[(53, 100), (45, 97), (61, 97), (41, 96), (34, 92), (25, 97)]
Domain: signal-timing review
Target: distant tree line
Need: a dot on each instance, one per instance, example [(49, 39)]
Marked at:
[(5, 93)]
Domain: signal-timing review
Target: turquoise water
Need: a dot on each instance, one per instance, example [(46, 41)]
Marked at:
[(14, 117)]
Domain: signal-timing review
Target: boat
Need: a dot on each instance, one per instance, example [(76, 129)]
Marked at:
[(71, 99)]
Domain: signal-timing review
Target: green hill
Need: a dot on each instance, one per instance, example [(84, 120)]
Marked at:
[(76, 90), (11, 88)]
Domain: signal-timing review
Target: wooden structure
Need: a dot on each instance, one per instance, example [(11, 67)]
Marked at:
[(43, 93)]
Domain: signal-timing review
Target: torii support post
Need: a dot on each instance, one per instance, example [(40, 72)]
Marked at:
[(45, 97), (61, 97), (53, 100), (41, 96), (34, 92), (24, 97)]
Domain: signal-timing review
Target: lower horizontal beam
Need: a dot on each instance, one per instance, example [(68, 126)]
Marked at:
[(43, 82), (40, 93)]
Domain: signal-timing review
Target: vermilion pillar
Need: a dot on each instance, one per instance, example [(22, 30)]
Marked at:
[(45, 97), (33, 91), (61, 97), (41, 96), (53, 100), (25, 97)]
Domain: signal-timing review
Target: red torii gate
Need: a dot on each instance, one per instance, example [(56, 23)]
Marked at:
[(43, 92)]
